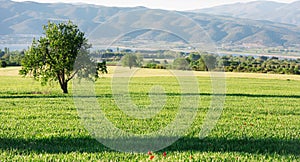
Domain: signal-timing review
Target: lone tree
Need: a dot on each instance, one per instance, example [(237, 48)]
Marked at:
[(132, 60), (53, 57)]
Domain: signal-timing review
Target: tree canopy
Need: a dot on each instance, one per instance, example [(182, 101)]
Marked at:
[(53, 57), (132, 60)]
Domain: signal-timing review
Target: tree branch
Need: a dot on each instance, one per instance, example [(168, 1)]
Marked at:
[(72, 76), (59, 79)]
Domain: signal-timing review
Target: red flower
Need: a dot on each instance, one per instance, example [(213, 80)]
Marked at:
[(151, 157), (164, 154), (149, 153)]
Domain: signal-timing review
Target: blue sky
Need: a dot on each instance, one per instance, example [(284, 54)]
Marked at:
[(180, 5)]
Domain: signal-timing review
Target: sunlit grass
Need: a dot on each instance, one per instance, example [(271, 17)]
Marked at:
[(260, 122)]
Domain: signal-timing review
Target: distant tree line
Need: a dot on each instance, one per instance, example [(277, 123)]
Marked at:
[(262, 64), (181, 61), (10, 58), (113, 57), (242, 63), (209, 62)]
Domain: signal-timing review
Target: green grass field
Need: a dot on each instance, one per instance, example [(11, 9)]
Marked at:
[(260, 121)]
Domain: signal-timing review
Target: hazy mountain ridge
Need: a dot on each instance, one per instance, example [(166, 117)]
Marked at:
[(259, 10), (20, 21)]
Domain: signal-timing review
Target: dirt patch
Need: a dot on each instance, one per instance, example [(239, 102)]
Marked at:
[(9, 71), (112, 72)]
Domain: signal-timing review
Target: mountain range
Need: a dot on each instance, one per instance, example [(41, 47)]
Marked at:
[(259, 10), (21, 21)]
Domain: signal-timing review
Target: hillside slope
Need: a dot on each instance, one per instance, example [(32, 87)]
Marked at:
[(259, 10), (21, 21)]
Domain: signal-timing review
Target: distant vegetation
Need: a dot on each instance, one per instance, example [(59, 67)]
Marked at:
[(260, 64), (202, 61), (164, 59), (10, 58)]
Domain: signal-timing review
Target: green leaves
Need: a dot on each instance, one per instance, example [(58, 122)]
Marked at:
[(53, 56), (132, 60)]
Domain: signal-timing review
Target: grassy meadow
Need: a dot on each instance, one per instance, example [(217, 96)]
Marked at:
[(260, 120)]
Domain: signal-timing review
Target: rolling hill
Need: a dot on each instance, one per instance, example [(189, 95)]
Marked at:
[(21, 21)]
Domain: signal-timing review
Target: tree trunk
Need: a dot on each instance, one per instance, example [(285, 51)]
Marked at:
[(64, 87)]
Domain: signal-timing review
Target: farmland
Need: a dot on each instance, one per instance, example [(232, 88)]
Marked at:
[(260, 120)]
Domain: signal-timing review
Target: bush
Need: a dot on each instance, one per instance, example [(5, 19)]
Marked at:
[(181, 64), (159, 66), (151, 65), (3, 64)]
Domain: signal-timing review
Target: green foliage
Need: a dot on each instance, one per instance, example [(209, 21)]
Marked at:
[(205, 62), (194, 57), (102, 67), (202, 62), (261, 64), (3, 64), (181, 64), (132, 60), (229, 63), (11, 58), (210, 61), (52, 57), (201, 65), (154, 64)]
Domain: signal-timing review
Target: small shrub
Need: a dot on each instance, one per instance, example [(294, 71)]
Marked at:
[(3, 64)]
